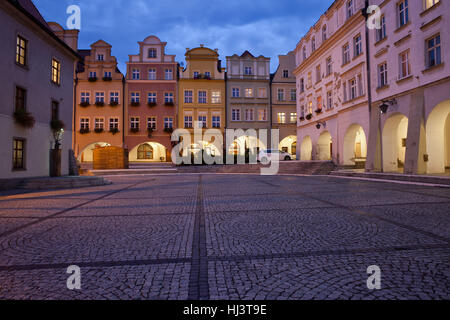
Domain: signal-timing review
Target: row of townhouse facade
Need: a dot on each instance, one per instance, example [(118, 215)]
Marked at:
[(378, 98), (140, 110)]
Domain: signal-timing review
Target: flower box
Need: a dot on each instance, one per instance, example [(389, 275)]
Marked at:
[(113, 103), (107, 78), (85, 104), (168, 130), (84, 130), (134, 130), (24, 118), (151, 104), (98, 130), (318, 111), (114, 131), (135, 104), (309, 116), (302, 118), (92, 79), (169, 104), (99, 103)]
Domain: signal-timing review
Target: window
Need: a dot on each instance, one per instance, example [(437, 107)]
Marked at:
[(430, 3), (145, 152), (293, 94), (382, 75), (21, 51), (99, 123), (92, 74), (310, 104), (344, 89), (302, 85), (84, 123), (293, 118), (56, 71), (304, 53), (345, 54), (403, 13), (188, 96), (309, 79), (313, 44), (329, 100), (350, 9), (433, 46), (151, 123), (381, 33), (329, 67), (85, 97), (20, 99), (281, 116), (216, 97), (202, 97), (108, 74), (280, 94), (302, 111), (151, 97), (216, 121), (168, 123), (135, 74), (113, 123), (100, 57), (262, 115), (168, 74), (114, 97), (404, 65), (248, 71), (249, 114), (135, 97), (360, 85), (152, 53), (196, 74), (152, 74), (99, 97), (249, 93), (203, 121), (168, 97), (55, 110), (134, 123), (319, 103), (188, 121), (235, 92), (324, 33), (357, 44), (353, 89), (236, 115), (318, 73), (18, 154), (208, 75), (285, 73), (262, 93)]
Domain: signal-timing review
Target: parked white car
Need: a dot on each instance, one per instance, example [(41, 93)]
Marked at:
[(267, 156)]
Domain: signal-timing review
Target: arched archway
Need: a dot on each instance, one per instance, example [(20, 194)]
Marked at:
[(306, 149), (246, 142), (87, 154), (355, 145), (394, 137), (324, 146), (289, 145), (438, 138), (148, 152)]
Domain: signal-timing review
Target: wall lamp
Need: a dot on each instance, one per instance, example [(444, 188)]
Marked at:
[(320, 124), (385, 105)]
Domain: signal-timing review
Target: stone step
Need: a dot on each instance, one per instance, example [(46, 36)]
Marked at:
[(429, 179), (133, 171), (62, 183)]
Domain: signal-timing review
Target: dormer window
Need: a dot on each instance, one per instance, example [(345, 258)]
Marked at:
[(350, 8), (152, 53), (313, 44), (248, 71), (324, 33), (285, 73), (304, 53), (100, 57)]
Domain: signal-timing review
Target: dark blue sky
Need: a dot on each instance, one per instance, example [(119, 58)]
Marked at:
[(267, 27)]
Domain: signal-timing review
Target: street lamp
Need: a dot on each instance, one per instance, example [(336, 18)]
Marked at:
[(320, 124), (57, 135), (385, 105)]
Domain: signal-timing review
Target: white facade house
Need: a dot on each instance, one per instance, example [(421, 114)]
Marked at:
[(36, 87)]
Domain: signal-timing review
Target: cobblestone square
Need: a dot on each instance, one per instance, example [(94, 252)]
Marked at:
[(227, 237)]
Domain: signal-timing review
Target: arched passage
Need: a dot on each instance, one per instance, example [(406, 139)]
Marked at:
[(438, 138), (289, 145), (148, 152), (394, 136), (246, 142), (87, 154), (355, 145), (324, 146), (306, 149)]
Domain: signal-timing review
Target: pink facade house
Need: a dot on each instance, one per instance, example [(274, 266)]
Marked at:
[(151, 89)]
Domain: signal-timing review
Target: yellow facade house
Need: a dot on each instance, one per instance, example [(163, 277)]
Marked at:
[(99, 102), (202, 96)]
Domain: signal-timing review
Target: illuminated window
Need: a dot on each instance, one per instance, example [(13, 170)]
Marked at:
[(430, 3), (56, 71), (18, 154), (281, 117), (403, 13), (216, 97), (21, 51), (433, 46)]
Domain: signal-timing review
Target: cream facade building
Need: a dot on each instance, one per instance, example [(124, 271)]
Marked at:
[(410, 75), (332, 104)]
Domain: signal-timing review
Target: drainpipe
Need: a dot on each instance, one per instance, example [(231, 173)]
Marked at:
[(74, 126)]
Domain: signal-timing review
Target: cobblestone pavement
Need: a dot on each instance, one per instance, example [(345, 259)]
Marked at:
[(227, 237)]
